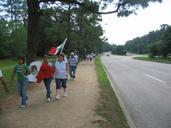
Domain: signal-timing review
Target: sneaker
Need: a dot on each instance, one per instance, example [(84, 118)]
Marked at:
[(48, 99), (23, 106), (65, 94), (57, 97)]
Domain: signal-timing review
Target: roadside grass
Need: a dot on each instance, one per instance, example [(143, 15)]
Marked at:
[(108, 106), (159, 59)]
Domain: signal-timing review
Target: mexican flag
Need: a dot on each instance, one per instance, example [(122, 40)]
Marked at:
[(54, 51)]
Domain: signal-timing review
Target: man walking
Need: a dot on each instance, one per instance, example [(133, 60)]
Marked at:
[(72, 66)]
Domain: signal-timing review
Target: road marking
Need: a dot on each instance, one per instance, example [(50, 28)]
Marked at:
[(150, 76)]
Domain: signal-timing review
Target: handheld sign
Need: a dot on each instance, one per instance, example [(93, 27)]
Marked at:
[(34, 69)]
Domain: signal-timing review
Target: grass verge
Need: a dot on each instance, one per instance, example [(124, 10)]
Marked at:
[(160, 60), (108, 106)]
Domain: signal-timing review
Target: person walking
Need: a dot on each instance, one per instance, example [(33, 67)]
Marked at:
[(46, 74), (72, 66), (61, 75), (22, 70), (3, 82)]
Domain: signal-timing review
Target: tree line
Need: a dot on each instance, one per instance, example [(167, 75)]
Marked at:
[(82, 28), (31, 27), (156, 43)]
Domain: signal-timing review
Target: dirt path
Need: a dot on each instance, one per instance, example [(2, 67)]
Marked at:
[(75, 111)]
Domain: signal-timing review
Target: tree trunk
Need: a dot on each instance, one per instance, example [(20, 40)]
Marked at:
[(33, 29)]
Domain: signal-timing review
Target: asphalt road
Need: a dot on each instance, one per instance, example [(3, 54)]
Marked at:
[(144, 88)]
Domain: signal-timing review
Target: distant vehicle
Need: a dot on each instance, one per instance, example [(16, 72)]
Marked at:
[(107, 54)]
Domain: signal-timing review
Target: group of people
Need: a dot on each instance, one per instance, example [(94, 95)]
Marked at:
[(90, 56), (48, 71)]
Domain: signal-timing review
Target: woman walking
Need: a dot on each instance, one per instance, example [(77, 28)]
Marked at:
[(46, 74), (61, 75)]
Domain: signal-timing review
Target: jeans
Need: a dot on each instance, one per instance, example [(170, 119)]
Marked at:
[(61, 83), (72, 71), (22, 90), (47, 83)]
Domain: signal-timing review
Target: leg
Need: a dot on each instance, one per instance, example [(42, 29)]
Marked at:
[(47, 83), (70, 71), (58, 87), (24, 91), (74, 71), (64, 85), (19, 88)]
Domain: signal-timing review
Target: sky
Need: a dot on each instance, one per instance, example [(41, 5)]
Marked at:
[(118, 30)]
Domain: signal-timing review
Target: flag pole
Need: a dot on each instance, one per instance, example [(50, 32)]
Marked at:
[(64, 44)]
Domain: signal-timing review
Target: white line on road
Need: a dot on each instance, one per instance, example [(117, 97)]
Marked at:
[(150, 76)]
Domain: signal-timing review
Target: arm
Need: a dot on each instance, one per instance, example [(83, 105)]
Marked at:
[(67, 68), (3, 82), (13, 75)]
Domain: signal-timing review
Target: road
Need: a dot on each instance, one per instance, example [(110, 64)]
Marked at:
[(144, 88)]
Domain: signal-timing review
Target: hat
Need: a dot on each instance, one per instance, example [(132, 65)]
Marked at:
[(72, 53)]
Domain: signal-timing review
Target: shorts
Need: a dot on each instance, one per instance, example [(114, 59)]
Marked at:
[(61, 83)]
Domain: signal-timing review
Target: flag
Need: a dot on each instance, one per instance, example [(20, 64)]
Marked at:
[(54, 51)]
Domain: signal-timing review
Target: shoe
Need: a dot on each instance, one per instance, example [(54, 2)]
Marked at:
[(57, 97), (48, 99), (23, 106), (65, 94), (74, 79)]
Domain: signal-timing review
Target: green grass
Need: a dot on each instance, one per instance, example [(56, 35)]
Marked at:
[(160, 60), (108, 106)]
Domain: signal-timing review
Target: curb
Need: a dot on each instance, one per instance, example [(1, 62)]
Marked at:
[(128, 117)]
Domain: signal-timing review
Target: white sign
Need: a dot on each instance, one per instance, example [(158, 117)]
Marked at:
[(34, 69)]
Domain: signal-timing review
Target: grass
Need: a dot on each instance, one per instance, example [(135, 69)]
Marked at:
[(108, 106), (159, 59)]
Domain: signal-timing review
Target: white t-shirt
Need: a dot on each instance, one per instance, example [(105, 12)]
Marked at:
[(76, 56), (1, 75)]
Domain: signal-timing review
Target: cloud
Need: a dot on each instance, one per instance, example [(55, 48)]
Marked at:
[(120, 30)]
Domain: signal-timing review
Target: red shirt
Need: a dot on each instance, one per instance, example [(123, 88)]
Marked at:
[(45, 71)]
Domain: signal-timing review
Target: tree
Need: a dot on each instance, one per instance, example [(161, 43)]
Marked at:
[(153, 49), (122, 8), (4, 36), (119, 50)]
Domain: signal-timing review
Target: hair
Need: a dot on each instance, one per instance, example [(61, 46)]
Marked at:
[(45, 55), (21, 58), (61, 55)]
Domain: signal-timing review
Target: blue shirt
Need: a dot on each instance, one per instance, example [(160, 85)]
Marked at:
[(61, 71)]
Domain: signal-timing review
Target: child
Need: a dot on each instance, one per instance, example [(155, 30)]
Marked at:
[(21, 70)]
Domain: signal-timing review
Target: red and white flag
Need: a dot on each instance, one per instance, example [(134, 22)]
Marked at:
[(54, 51)]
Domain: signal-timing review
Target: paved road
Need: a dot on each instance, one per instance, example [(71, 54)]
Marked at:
[(144, 88)]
